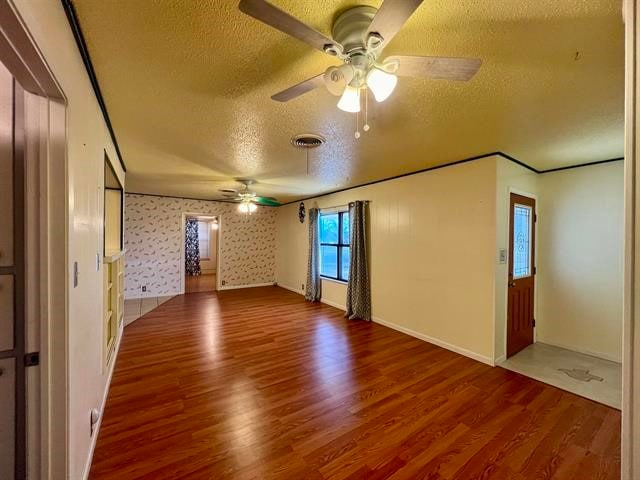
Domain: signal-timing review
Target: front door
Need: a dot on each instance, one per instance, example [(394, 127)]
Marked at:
[(520, 321)]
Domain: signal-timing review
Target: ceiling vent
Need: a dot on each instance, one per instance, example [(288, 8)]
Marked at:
[(307, 140)]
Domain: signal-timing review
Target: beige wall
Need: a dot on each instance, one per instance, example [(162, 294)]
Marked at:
[(113, 221), (580, 241), (433, 239), (510, 177), (87, 139)]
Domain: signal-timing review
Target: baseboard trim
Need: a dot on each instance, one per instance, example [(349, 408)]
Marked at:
[(290, 288), (96, 432), (435, 341), (602, 356), (334, 304), (413, 333), (153, 295), (500, 359), (251, 285)]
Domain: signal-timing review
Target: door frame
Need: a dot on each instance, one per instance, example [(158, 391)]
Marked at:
[(46, 209), (631, 309), (218, 246), (533, 196)]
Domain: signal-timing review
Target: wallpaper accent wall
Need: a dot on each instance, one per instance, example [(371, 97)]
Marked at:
[(154, 243)]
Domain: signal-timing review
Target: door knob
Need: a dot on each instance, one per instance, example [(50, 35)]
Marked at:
[(512, 284)]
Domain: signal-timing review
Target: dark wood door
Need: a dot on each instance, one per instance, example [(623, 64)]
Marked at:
[(520, 320)]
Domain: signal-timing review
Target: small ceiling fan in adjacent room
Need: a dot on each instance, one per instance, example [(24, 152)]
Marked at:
[(248, 201), (359, 35)]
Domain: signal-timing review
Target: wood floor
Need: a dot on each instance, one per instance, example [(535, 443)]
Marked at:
[(200, 283), (258, 384)]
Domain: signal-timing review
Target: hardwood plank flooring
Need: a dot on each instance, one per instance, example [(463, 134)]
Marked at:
[(259, 384), (201, 283)]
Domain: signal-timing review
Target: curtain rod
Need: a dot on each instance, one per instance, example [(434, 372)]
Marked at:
[(343, 205)]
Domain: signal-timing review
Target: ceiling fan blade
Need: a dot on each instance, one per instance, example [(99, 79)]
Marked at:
[(299, 89), (391, 16), (276, 18), (270, 201), (444, 68)]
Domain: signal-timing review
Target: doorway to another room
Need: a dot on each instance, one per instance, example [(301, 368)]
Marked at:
[(564, 283), (201, 253)]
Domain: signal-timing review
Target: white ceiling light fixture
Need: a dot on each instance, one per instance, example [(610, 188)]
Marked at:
[(247, 206), (247, 200), (358, 37), (381, 83), (350, 100)]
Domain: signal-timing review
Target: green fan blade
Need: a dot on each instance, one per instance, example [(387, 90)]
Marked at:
[(272, 202)]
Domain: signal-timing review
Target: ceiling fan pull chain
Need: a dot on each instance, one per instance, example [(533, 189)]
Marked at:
[(366, 126), (307, 162), (357, 134)]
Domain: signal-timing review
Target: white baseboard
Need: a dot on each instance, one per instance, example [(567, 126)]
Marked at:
[(152, 295), (299, 291), (408, 331), (500, 359), (573, 348), (334, 304), (251, 285), (96, 431), (435, 341), (323, 300)]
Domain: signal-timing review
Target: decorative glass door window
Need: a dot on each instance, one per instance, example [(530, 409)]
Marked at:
[(522, 227)]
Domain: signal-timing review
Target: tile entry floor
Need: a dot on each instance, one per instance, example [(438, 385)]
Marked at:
[(584, 375), (135, 308)]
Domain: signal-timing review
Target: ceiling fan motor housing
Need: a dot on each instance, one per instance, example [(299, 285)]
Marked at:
[(350, 29)]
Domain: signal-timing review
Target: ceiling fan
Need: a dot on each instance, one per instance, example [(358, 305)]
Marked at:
[(247, 199), (359, 36)]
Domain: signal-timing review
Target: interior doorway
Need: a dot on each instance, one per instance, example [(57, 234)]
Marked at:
[(201, 253)]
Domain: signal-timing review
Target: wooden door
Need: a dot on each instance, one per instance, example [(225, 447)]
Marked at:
[(520, 319)]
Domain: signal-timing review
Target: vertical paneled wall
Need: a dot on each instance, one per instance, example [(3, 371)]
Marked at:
[(433, 239)]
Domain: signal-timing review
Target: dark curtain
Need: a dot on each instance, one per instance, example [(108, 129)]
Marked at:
[(358, 287), (313, 290), (192, 248)]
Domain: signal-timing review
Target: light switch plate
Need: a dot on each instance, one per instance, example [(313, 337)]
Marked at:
[(75, 274), (502, 255)]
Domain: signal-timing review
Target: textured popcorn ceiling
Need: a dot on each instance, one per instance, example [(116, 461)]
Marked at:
[(187, 86)]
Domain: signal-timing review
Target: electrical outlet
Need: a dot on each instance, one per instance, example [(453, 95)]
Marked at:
[(302, 287), (223, 282), (144, 288), (76, 274)]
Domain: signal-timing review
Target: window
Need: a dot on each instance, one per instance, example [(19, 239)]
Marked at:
[(522, 215), (335, 252), (203, 240)]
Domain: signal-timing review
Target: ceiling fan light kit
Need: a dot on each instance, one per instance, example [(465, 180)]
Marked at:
[(247, 200), (359, 35)]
